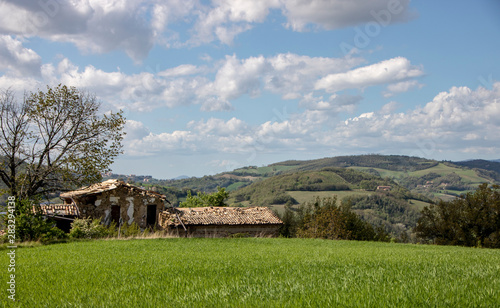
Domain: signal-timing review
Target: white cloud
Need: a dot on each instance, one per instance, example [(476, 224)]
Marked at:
[(100, 26), (17, 60), (334, 105), (225, 19), (460, 120), (135, 130), (219, 127), (214, 87), (336, 14), (181, 70), (450, 122), (403, 86), (93, 26), (388, 71)]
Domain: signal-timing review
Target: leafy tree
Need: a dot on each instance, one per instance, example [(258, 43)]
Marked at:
[(55, 140), (290, 222), (202, 199), (322, 218), (470, 220)]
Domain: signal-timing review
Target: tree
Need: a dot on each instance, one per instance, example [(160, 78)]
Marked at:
[(470, 220), (55, 140), (322, 218), (201, 199)]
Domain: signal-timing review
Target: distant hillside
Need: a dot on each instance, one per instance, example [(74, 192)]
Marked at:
[(391, 162), (484, 165), (273, 190), (394, 209)]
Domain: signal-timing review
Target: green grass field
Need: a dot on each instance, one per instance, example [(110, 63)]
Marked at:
[(253, 272)]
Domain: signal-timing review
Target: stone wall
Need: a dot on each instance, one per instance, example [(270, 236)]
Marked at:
[(227, 230), (132, 206)]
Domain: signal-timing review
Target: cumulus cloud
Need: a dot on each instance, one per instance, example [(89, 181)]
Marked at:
[(94, 26), (212, 87), (388, 71), (99, 26), (225, 19), (336, 14), (452, 121), (135, 130), (460, 120), (17, 60), (400, 87), (218, 126)]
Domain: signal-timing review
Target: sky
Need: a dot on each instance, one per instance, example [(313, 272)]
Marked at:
[(210, 86)]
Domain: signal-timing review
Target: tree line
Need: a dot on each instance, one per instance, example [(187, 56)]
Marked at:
[(472, 219)]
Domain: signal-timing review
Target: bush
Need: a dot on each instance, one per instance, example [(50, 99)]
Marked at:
[(88, 229), (131, 230), (53, 234), (31, 225), (282, 198)]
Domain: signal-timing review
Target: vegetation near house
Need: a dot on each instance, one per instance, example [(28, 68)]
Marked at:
[(203, 199), (55, 140), (471, 220)]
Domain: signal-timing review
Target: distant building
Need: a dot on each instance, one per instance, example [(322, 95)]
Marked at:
[(384, 188), (221, 221)]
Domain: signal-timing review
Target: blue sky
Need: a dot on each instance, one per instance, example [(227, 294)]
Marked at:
[(209, 86)]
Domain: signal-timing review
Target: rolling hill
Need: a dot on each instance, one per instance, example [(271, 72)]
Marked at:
[(414, 183), (396, 209)]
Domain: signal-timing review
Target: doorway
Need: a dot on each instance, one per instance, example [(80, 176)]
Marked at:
[(115, 213), (151, 215)]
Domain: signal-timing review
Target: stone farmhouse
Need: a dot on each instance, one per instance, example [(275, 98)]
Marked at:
[(117, 201), (111, 200)]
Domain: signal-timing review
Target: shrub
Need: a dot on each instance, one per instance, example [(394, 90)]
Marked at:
[(88, 229), (31, 225), (53, 234), (131, 230)]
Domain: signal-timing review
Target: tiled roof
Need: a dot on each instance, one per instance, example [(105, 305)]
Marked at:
[(59, 210), (106, 186), (221, 216)]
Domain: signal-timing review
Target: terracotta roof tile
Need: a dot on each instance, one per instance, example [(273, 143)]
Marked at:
[(59, 210), (106, 186), (221, 216)]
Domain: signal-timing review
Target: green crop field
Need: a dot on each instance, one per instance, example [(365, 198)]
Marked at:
[(252, 272)]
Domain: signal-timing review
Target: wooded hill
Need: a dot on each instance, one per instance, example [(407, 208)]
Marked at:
[(434, 179), (396, 209)]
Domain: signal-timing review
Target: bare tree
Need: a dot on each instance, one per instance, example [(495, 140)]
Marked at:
[(55, 140)]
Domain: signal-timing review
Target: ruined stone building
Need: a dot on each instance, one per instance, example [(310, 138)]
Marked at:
[(220, 221), (117, 201), (111, 200)]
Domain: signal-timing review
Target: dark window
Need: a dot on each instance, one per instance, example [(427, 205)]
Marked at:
[(151, 215), (115, 213)]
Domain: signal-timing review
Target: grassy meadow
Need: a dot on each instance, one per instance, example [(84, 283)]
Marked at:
[(252, 272)]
